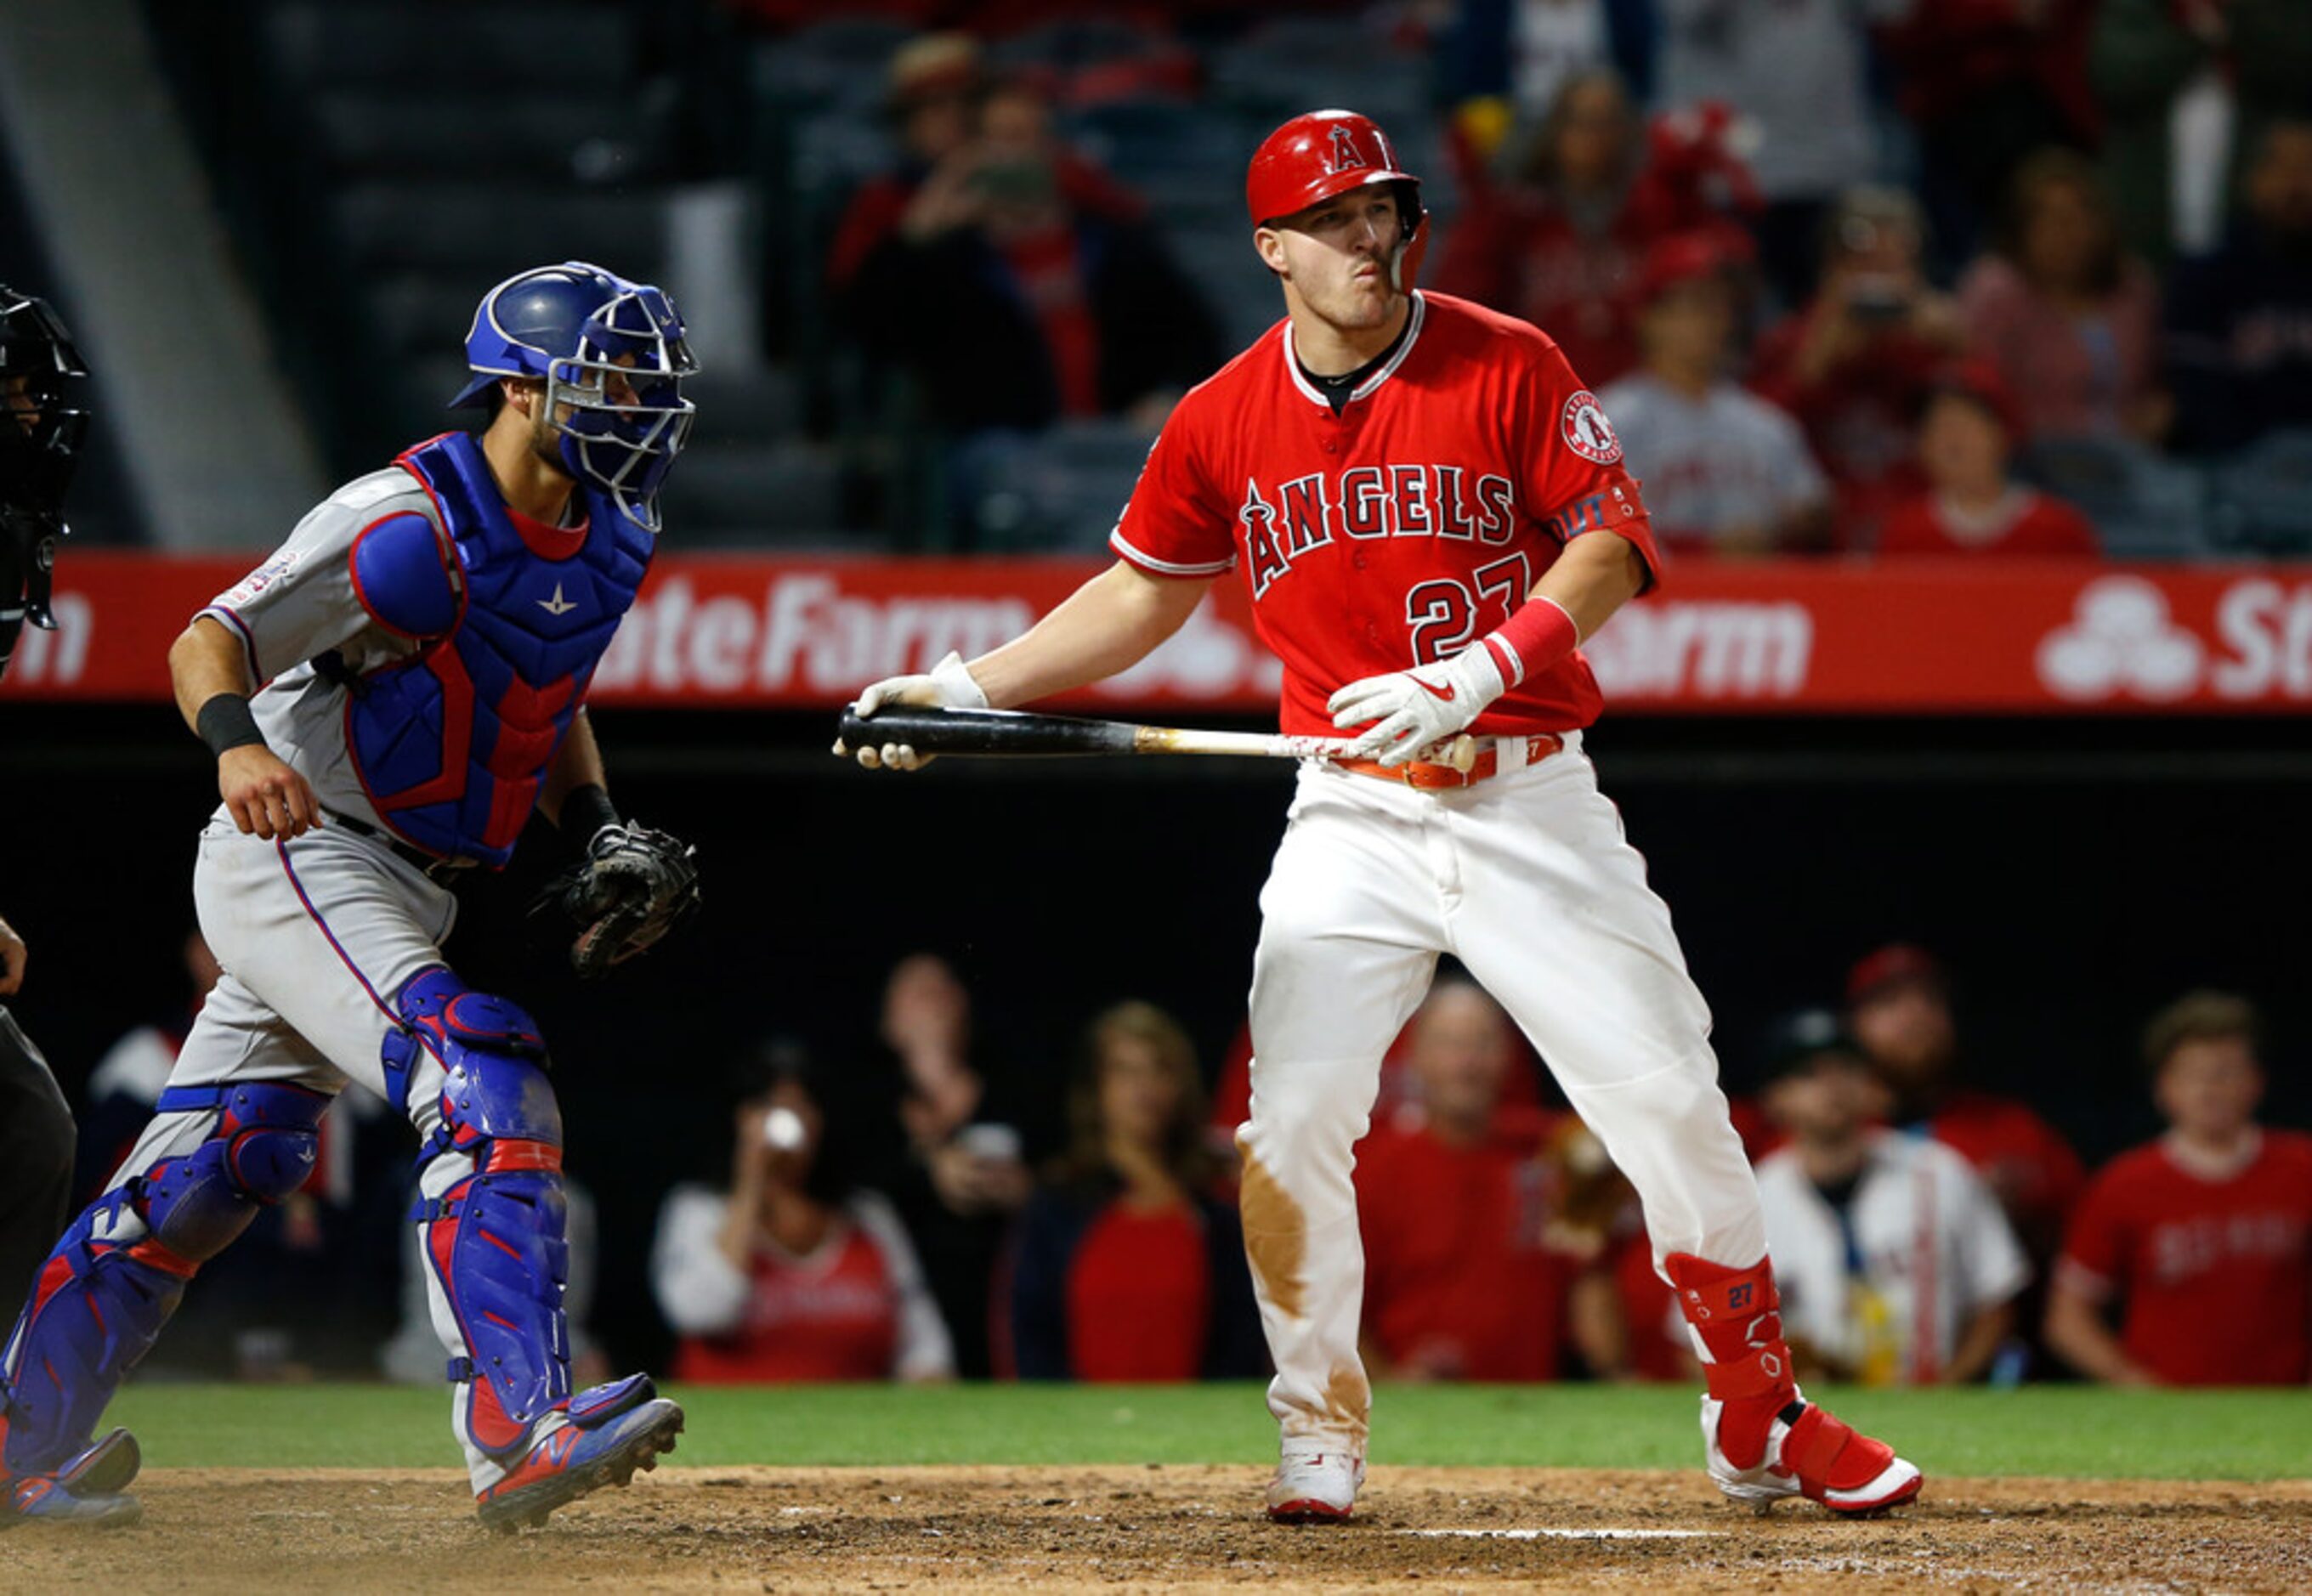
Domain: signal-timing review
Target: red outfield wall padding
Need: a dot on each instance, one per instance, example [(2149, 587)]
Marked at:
[(1776, 637)]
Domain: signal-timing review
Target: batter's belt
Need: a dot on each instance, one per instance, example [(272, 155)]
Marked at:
[(1520, 752)]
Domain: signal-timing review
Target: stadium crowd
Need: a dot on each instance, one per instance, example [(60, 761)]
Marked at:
[(911, 1214), (1851, 275), (971, 250)]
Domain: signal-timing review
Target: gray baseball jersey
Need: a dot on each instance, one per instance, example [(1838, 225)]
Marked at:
[(302, 603), (1729, 460)]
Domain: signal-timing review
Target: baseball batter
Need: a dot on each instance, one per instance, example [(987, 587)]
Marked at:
[(418, 653), (1431, 513)]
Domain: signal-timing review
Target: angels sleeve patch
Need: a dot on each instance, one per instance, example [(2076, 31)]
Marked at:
[(1587, 432)]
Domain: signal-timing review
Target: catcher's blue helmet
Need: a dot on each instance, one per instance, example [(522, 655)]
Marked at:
[(612, 352)]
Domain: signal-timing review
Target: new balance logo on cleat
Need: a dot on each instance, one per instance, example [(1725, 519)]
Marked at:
[(596, 1446)]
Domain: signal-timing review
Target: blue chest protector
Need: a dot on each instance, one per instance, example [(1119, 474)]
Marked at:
[(452, 744)]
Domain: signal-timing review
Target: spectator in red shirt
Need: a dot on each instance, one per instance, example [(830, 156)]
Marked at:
[(1128, 1267), (1972, 507), (932, 98), (1561, 244), (2200, 1243), (1456, 1197), (2068, 318), (1854, 364), (785, 1278), (1020, 286), (1898, 1008)]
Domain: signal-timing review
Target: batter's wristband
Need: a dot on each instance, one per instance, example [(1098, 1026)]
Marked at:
[(226, 722), (585, 811), (1541, 634)]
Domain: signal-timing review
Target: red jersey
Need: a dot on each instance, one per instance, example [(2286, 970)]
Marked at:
[(2215, 1275), (1140, 1295), (1400, 530), (1520, 253), (1860, 415), (833, 1315), (1459, 1277), (2025, 525)]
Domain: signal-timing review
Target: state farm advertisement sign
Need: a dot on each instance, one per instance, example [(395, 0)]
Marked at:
[(1772, 638)]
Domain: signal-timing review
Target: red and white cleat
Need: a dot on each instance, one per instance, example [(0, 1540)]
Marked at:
[(1819, 1457), (1764, 1441), (1315, 1487)]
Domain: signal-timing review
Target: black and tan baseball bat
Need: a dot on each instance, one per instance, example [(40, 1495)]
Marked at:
[(1017, 734)]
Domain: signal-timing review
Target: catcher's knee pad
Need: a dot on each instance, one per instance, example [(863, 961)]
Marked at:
[(262, 1149), (107, 1289), (493, 1220)]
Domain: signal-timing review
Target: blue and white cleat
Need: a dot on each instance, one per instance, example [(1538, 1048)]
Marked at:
[(91, 1490), (611, 1431)]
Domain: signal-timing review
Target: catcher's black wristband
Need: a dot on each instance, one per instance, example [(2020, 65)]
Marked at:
[(225, 723), (585, 811)]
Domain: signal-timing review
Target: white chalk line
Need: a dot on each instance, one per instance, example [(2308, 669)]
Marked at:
[(1568, 1534)]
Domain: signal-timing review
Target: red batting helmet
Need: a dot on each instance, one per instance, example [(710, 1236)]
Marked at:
[(1321, 154)]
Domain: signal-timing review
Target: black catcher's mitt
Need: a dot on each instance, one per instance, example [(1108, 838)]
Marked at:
[(633, 887)]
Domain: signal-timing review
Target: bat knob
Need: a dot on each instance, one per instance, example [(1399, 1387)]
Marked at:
[(1461, 753)]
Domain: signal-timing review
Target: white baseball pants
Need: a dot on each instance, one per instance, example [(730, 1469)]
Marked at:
[(1527, 878)]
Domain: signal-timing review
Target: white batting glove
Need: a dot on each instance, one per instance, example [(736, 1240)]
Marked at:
[(947, 685), (1410, 709)]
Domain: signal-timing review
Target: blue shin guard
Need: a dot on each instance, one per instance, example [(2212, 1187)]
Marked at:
[(491, 1215), (99, 1300)]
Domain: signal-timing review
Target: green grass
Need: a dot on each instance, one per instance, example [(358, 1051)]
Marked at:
[(2061, 1430)]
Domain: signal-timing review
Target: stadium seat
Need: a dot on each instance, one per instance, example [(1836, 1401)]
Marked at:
[(755, 408), (1241, 290), (833, 151), (1091, 60), (418, 313), (467, 228), (531, 135), (1186, 163), (2144, 506), (579, 48), (2263, 495), (843, 61), (1288, 65), (745, 495), (1060, 490)]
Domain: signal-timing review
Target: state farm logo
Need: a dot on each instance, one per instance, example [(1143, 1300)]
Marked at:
[(804, 638), (1703, 649), (2121, 639)]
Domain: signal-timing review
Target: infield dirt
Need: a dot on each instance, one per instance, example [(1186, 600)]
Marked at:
[(1170, 1527)]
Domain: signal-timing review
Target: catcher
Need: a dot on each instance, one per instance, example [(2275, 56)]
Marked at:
[(388, 697)]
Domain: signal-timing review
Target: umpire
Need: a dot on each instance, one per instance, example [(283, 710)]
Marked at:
[(40, 439)]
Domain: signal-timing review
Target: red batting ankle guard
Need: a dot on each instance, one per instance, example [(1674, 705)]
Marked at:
[(1736, 1312)]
